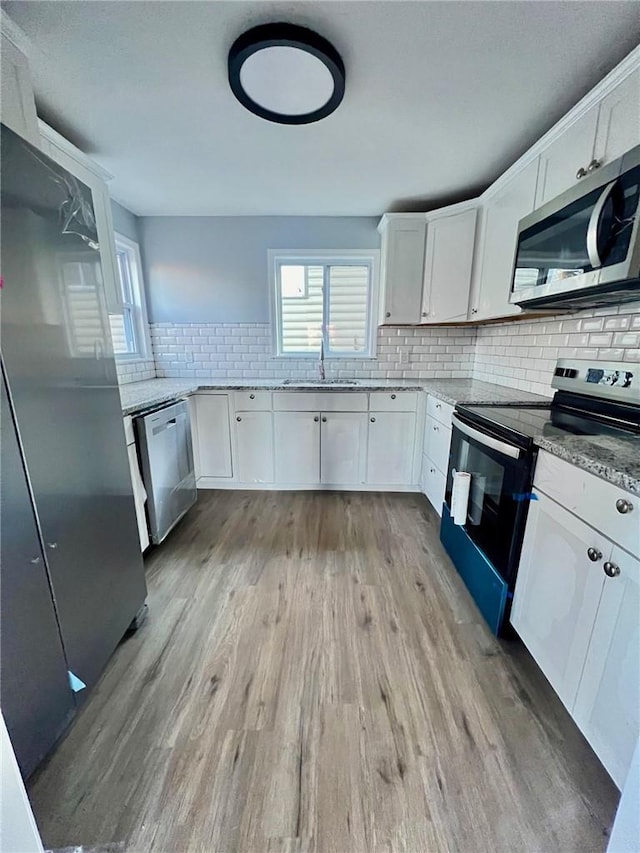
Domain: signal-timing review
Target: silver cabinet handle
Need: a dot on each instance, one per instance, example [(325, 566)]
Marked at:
[(594, 555), (393, 396), (581, 173), (623, 506), (252, 396), (373, 420), (593, 165), (238, 418), (611, 570), (316, 419), (34, 561)]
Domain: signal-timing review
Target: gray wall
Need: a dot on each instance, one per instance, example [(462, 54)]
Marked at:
[(124, 222), (207, 269)]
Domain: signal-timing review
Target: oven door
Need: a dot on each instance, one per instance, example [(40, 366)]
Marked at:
[(499, 495)]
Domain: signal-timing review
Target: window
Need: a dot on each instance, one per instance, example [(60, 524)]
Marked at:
[(324, 298), (129, 329)]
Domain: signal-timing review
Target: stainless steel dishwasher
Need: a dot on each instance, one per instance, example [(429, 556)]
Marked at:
[(166, 455)]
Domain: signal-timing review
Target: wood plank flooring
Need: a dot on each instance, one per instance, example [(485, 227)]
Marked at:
[(313, 676)]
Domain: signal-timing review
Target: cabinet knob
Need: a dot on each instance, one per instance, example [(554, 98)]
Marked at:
[(623, 506), (52, 545), (34, 561), (432, 470), (611, 570), (474, 310), (238, 418), (438, 406), (435, 429), (373, 420), (424, 313), (317, 418), (388, 314), (324, 420), (594, 555), (581, 173), (393, 396), (252, 396), (593, 165)]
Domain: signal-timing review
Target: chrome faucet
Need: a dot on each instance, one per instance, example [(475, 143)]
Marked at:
[(321, 362)]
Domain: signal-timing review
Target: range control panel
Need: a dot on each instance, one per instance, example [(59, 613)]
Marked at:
[(609, 380)]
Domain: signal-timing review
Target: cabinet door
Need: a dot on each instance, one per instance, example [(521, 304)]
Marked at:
[(214, 439), (500, 218), (254, 447), (560, 161), (619, 120), (403, 242), (18, 105), (297, 447), (607, 707), (557, 592), (433, 484), (343, 445), (390, 448), (447, 268), (437, 440)]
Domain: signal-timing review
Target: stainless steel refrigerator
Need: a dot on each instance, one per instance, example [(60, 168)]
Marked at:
[(62, 395)]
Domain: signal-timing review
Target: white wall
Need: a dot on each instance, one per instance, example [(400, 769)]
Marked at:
[(205, 269)]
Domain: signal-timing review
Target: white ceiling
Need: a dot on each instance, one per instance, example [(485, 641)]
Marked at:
[(440, 97)]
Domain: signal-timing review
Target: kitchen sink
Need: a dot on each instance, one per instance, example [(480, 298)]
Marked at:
[(321, 382)]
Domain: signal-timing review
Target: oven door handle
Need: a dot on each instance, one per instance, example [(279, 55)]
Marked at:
[(487, 440)]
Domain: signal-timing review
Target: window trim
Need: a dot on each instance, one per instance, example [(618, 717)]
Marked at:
[(322, 257), (143, 337)]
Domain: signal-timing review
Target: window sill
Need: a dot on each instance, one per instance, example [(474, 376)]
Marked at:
[(121, 358)]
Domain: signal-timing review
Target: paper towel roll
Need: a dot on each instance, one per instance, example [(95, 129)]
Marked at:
[(460, 496)]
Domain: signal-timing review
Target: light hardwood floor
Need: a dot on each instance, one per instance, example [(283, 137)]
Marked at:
[(313, 676)]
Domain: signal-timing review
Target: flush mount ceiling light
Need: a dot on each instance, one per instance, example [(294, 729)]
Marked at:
[(285, 73)]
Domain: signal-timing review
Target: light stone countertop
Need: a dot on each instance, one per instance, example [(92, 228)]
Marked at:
[(612, 458), (138, 396)]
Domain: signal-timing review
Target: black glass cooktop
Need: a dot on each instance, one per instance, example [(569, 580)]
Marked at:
[(522, 425)]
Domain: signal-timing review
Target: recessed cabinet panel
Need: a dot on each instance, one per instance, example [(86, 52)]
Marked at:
[(569, 152), (448, 265), (500, 218), (619, 120), (343, 447), (254, 447), (297, 447), (557, 592), (437, 439), (607, 707), (214, 437), (390, 448), (403, 244), (433, 484)]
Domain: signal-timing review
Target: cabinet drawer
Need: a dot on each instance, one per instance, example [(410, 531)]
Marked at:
[(252, 401), (591, 499), (437, 439), (128, 429), (439, 410), (433, 484), (319, 401), (393, 401)]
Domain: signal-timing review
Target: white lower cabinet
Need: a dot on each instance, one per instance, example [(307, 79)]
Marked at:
[(433, 484), (343, 442), (576, 607), (297, 447), (557, 592), (254, 447), (607, 706), (214, 435), (391, 448)]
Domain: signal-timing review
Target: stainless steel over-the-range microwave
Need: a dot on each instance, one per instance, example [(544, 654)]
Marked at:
[(582, 249)]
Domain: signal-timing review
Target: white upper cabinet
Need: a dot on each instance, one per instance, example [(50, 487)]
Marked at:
[(18, 105), (402, 272), (565, 160), (501, 213), (619, 120), (448, 266)]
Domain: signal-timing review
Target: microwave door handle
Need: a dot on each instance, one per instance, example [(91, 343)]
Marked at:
[(486, 440), (594, 223)]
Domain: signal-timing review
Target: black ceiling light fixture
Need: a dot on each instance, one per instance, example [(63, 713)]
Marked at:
[(285, 73)]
